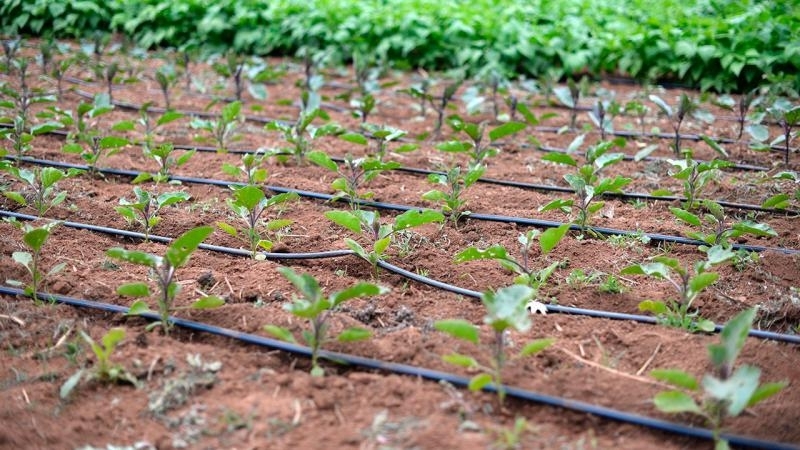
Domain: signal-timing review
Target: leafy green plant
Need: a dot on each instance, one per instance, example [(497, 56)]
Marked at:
[(475, 147), (569, 96), (379, 235), (788, 119), (689, 284), (724, 392), (110, 74), (686, 106), (312, 305), (695, 176), (352, 174), (164, 271), (525, 273), (34, 238), (602, 115), (250, 169), (59, 71), (249, 203), (144, 209), (384, 135), (639, 110), (440, 104), (19, 130), (782, 200), (164, 156), (301, 134), (149, 127), (232, 68), (506, 311), (586, 182), (41, 187), (103, 369), (224, 129), (713, 228), (167, 78), (456, 181)]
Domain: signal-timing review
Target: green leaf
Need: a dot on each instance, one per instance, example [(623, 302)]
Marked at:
[(765, 391), (479, 381), (676, 402), (551, 237), (460, 360), (506, 129), (345, 219), (227, 228), (676, 378), (557, 204), (714, 145), (23, 258), (454, 147), (757, 131), (36, 238), (654, 269), (655, 307), (113, 337), (138, 307), (355, 138), (662, 105), (70, 384), (180, 250), (323, 160), (354, 334), (778, 201), (208, 302), (381, 245), (686, 216), (359, 290), (536, 346), (736, 390), (507, 308), (135, 257), (754, 228), (280, 333), (134, 290), (564, 96), (417, 217), (458, 328), (167, 117), (560, 158), (702, 281), (473, 254)]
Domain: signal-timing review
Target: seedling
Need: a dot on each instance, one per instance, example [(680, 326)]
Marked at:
[(34, 238), (420, 92), (385, 135), (569, 96), (686, 106), (164, 271), (475, 147), (639, 110), (724, 392), (250, 169), (379, 235), (788, 119), (506, 311), (224, 129), (249, 204), (164, 156), (302, 134), (167, 78), (10, 48), (41, 191), (525, 274), (103, 369), (109, 75), (602, 115), (695, 175), (456, 181), (232, 68), (440, 104), (144, 209), (317, 309), (689, 284), (59, 71), (149, 128), (713, 229), (353, 173), (586, 182)]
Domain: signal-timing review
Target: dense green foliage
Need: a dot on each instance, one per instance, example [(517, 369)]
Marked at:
[(712, 44)]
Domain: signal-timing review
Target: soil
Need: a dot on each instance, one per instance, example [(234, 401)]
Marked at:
[(201, 391)]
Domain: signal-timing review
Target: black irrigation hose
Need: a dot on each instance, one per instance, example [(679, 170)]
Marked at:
[(428, 374), (538, 223), (600, 314)]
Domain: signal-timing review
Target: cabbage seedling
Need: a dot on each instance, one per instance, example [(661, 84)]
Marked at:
[(224, 129), (103, 369), (352, 174), (688, 285), (249, 203), (456, 181), (727, 390), (713, 229), (145, 207), (164, 271), (34, 238), (526, 275), (312, 305), (43, 184), (380, 235), (506, 310)]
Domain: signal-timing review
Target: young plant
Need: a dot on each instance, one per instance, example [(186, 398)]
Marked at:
[(569, 96), (688, 284), (695, 176), (249, 204), (164, 270), (525, 274), (34, 238), (724, 392), (686, 106), (713, 229), (312, 305), (301, 134), (41, 187), (639, 110), (164, 156), (379, 235), (59, 72), (475, 147), (110, 74), (586, 182), (144, 209), (602, 115), (352, 174), (788, 119), (224, 129), (456, 181), (250, 169), (232, 68), (440, 104), (384, 135), (167, 78), (103, 369), (506, 311), (149, 127)]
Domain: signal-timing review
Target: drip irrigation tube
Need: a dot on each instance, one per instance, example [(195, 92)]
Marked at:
[(599, 314), (538, 223), (428, 374)]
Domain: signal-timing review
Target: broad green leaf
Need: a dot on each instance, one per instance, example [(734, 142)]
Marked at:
[(70, 384), (23, 258), (381, 245), (138, 307), (134, 290), (653, 306), (556, 204), (560, 158), (506, 308), (167, 117), (536, 346), (551, 237), (654, 269), (180, 250), (778, 201), (36, 238), (280, 333), (676, 402), (686, 216), (113, 337), (506, 129), (17, 197), (736, 390), (714, 145), (479, 381), (460, 360), (734, 334), (608, 159), (702, 281), (765, 391), (662, 105), (454, 146), (323, 160), (171, 198), (135, 257), (472, 254), (757, 131), (355, 138), (754, 228), (305, 283), (359, 290), (645, 152), (353, 334), (208, 302), (458, 328), (676, 377), (705, 325), (417, 217), (564, 96), (227, 228), (345, 219), (249, 196)]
